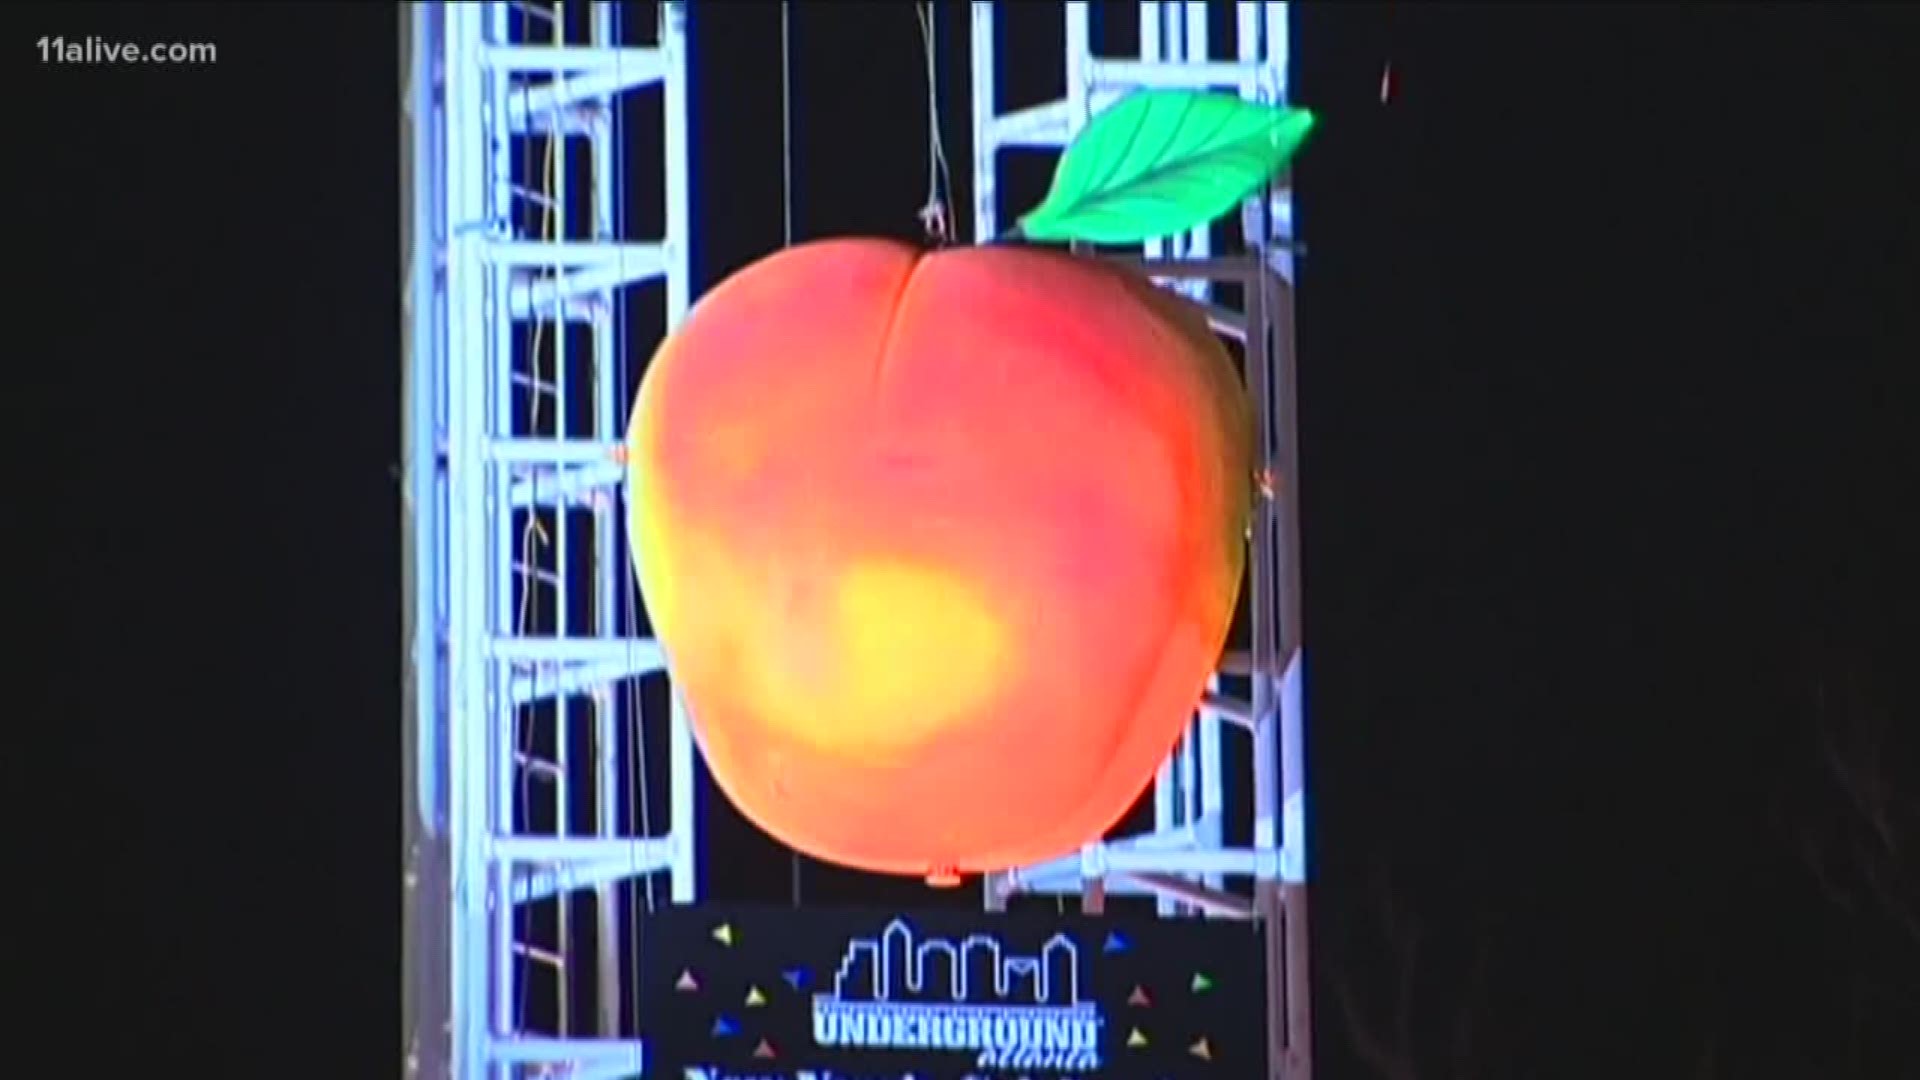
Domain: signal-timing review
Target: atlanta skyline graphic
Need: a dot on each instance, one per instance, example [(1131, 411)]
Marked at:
[(894, 968), (824, 994), (1016, 1012)]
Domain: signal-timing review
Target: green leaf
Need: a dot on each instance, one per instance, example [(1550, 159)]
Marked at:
[(1161, 162)]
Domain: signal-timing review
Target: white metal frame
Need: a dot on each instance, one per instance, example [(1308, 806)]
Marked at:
[(476, 89), (484, 82), (1184, 861)]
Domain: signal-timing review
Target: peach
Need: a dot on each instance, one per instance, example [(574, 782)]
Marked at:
[(941, 547)]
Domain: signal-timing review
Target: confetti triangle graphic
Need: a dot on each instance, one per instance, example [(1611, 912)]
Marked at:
[(723, 1027), (1135, 1040), (1139, 998), (755, 998), (1201, 1049), (1201, 984), (723, 934), (795, 977), (686, 983), (764, 1050), (1115, 942)]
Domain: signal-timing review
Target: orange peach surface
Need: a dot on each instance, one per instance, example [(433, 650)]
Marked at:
[(942, 547)]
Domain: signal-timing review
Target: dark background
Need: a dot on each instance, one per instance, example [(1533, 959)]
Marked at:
[(1607, 340), (1157, 957)]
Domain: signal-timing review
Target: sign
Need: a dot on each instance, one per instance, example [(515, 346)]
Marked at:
[(833, 994)]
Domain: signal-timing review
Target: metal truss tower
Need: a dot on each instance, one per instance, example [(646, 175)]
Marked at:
[(528, 835), (1185, 861), (527, 828)]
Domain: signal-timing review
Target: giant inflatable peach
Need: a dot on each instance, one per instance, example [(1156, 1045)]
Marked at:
[(943, 546)]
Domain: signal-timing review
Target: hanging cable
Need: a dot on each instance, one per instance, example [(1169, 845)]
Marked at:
[(935, 216), (533, 537), (786, 127), (795, 891), (635, 809)]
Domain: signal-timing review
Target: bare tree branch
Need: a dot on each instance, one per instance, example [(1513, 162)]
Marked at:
[(1473, 1000), (1854, 828), (1855, 769), (1708, 1066), (1852, 744), (1389, 1051), (1814, 857), (1386, 1041), (1377, 1052)]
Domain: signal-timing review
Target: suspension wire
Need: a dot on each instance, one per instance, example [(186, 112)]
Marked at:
[(533, 537), (937, 214), (794, 888), (636, 809), (786, 134)]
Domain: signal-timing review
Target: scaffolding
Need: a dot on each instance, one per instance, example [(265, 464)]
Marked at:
[(1185, 861), (524, 832), (529, 843)]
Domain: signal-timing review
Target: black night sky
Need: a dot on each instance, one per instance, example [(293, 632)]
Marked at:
[(1608, 353)]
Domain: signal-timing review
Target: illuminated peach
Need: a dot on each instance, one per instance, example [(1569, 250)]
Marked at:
[(942, 547)]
